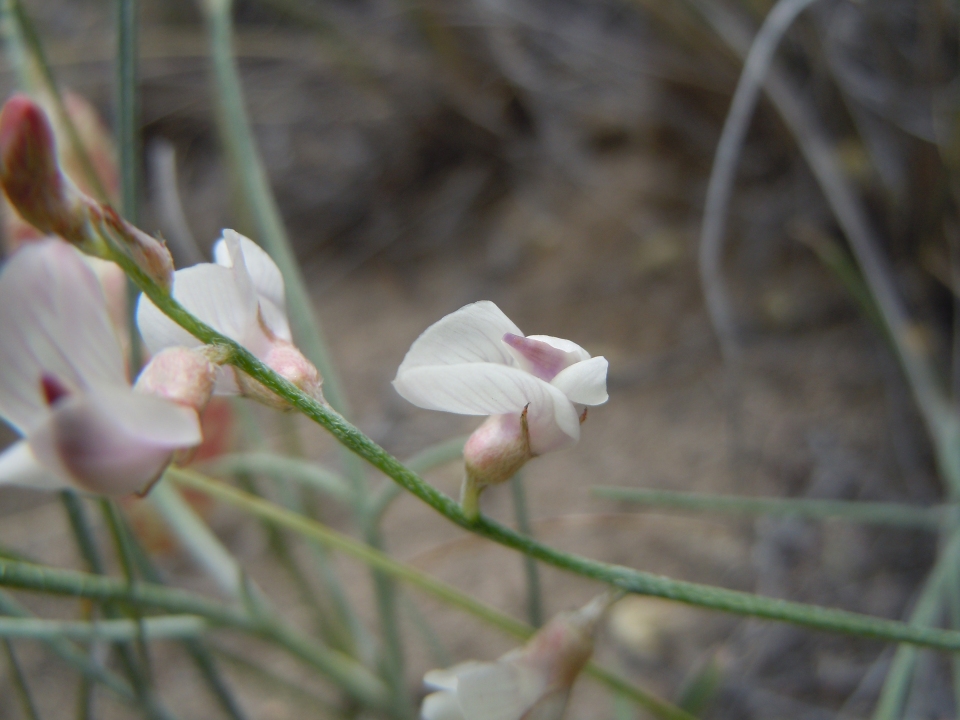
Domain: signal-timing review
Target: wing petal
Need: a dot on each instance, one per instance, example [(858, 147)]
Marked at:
[(472, 334), (584, 382), (53, 319)]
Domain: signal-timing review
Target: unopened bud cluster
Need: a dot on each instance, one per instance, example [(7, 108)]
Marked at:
[(46, 197)]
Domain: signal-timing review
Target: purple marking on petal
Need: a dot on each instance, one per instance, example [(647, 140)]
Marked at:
[(53, 390), (545, 360)]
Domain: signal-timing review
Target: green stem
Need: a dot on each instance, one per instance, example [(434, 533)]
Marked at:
[(345, 672), (72, 655), (278, 682), (321, 533), (952, 595), (211, 674), (282, 467), (197, 539), (877, 513), (240, 145), (246, 160), (333, 633), (925, 613), (534, 599), (198, 652), (627, 579), (83, 534), (128, 136), (385, 591), (20, 683), (137, 664), (128, 142), (169, 626)]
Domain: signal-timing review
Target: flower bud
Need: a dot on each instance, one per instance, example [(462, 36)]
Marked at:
[(493, 454), (181, 375), (44, 196), (30, 174), (564, 645), (530, 682), (287, 361), (149, 254)]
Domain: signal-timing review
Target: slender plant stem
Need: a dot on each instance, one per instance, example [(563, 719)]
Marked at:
[(83, 534), (346, 621), (534, 598), (277, 682), (256, 189), (875, 513), (128, 136), (128, 142), (306, 330), (952, 595), (169, 626), (345, 672), (925, 613), (421, 463), (72, 655), (20, 683), (386, 592), (627, 579), (286, 468), (720, 186), (198, 652), (197, 539), (82, 531), (137, 664), (333, 633), (383, 562), (205, 662)]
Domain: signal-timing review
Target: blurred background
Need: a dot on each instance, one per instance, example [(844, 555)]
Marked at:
[(553, 156)]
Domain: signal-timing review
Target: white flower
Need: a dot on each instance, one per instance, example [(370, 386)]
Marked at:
[(63, 384), (475, 361), (529, 683), (242, 296)]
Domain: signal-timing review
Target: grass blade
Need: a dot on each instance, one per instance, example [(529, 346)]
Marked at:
[(873, 513), (170, 626), (534, 599), (20, 683)]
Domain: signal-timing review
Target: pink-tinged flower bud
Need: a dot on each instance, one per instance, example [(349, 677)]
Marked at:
[(493, 454), (45, 197), (181, 375), (30, 174), (530, 682), (149, 254), (287, 361), (564, 645)]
